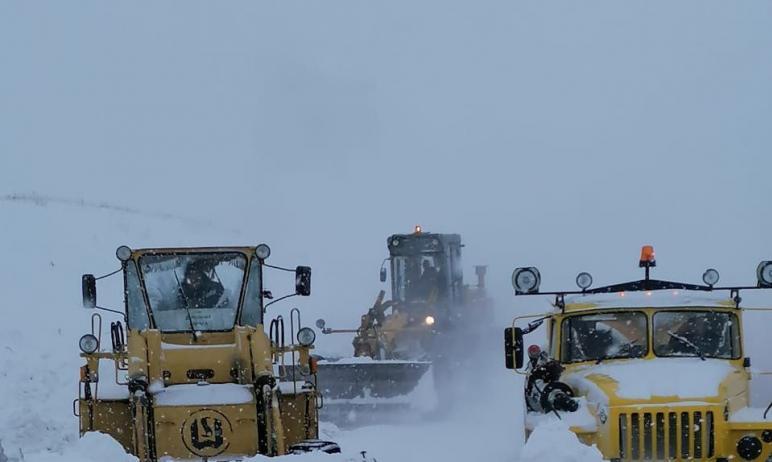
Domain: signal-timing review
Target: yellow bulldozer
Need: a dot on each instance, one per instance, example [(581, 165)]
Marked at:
[(645, 370), (432, 321), (191, 372)]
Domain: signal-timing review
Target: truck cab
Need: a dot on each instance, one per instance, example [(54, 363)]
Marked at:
[(644, 370), (191, 372)]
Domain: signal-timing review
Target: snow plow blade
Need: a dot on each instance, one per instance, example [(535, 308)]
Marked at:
[(359, 392)]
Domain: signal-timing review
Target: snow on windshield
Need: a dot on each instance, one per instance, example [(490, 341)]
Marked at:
[(201, 290), (696, 333), (603, 336)]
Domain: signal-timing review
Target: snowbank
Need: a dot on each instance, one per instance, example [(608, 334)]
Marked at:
[(93, 447), (553, 441)]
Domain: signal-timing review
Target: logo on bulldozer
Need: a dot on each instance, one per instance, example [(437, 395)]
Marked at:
[(206, 433)]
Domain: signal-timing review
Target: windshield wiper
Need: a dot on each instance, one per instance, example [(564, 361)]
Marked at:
[(621, 351), (688, 343), (187, 305)]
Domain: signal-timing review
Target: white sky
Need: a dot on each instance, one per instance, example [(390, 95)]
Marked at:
[(557, 134)]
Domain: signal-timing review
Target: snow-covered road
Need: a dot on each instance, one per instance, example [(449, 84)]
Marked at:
[(48, 245)]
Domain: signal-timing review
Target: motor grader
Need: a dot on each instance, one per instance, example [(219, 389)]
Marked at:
[(431, 321), (645, 370), (191, 372)]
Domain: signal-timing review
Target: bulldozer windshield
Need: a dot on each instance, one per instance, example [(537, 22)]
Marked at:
[(418, 277), (198, 290)]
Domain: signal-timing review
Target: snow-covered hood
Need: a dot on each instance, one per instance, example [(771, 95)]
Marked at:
[(644, 380)]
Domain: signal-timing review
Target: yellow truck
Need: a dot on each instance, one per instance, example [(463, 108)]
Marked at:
[(644, 370), (191, 372)]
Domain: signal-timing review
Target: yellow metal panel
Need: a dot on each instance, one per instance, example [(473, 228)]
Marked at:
[(191, 432)]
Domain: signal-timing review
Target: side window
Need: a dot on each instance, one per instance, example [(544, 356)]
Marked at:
[(135, 301), (553, 346), (565, 344), (252, 314)]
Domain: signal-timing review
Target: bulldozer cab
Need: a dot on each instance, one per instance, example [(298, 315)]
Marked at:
[(195, 375), (426, 270)]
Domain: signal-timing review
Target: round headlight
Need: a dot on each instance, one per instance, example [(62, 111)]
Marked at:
[(320, 323), (395, 242), (764, 273), (123, 253), (526, 280), (306, 336), (88, 344), (263, 251), (583, 280), (710, 277), (749, 447), (429, 321)]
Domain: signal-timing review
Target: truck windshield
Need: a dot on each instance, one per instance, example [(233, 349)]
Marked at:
[(604, 336), (711, 334), (201, 290)]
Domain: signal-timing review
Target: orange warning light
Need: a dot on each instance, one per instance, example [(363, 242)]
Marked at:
[(647, 256)]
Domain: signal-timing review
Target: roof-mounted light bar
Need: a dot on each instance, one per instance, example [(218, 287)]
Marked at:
[(526, 281)]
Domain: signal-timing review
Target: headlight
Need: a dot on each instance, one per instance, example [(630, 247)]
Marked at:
[(306, 336), (263, 251), (583, 280), (88, 344), (749, 447), (710, 277), (526, 280), (429, 321), (123, 253), (764, 274)]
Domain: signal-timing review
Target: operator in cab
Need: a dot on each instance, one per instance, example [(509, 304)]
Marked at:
[(200, 287), (429, 280)]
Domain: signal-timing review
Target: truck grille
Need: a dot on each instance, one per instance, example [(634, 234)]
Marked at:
[(666, 435)]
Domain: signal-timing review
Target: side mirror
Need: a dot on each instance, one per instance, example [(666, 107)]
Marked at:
[(513, 347), (383, 274), (89, 291), (303, 280), (320, 324)]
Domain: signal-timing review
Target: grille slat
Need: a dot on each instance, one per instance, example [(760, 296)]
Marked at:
[(697, 427), (685, 433), (635, 430), (672, 435), (660, 438), (666, 435), (711, 435), (647, 442), (624, 443)]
